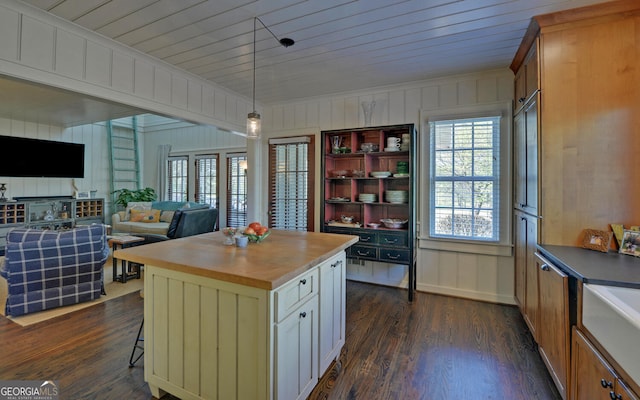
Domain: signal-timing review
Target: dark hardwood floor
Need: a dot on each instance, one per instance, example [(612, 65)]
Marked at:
[(435, 348)]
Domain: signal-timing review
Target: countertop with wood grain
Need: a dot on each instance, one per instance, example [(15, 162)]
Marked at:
[(266, 265)]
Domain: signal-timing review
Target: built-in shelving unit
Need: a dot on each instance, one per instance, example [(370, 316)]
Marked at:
[(61, 212)]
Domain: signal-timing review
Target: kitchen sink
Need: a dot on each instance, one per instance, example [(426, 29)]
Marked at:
[(612, 315)]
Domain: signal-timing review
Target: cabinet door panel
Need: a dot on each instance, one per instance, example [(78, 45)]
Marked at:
[(553, 332), (332, 310), (296, 363), (531, 143), (592, 376)]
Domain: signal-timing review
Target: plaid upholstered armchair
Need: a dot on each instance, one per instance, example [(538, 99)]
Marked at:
[(48, 269)]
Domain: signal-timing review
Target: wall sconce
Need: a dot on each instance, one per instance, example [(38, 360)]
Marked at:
[(253, 118)]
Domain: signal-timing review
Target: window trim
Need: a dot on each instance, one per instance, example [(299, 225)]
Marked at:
[(501, 248), (495, 178)]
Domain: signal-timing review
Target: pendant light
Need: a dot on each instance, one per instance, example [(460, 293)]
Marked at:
[(253, 118)]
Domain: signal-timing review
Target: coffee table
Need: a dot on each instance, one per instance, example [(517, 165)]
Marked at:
[(124, 241)]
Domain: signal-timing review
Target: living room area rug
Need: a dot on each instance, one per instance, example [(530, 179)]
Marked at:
[(113, 289)]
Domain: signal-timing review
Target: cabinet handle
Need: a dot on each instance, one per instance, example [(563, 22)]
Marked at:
[(614, 396), (365, 239), (521, 100), (335, 264), (394, 241), (303, 281), (363, 254), (392, 257), (544, 267), (605, 383), (304, 315)]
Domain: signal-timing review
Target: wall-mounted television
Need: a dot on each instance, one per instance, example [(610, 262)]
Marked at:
[(23, 157)]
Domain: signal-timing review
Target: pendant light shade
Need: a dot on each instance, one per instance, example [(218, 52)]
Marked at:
[(254, 125)]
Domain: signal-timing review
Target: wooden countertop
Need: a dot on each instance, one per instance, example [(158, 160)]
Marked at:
[(267, 265)]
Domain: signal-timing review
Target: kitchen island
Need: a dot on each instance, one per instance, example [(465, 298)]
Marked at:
[(261, 322)]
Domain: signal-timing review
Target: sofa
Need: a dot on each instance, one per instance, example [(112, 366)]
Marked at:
[(150, 217), (187, 222), (47, 269)]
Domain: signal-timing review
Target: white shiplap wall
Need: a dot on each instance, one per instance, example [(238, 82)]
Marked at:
[(36, 46), (96, 160), (458, 273)]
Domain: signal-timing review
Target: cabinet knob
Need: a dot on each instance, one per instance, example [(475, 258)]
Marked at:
[(544, 267), (303, 281), (606, 383), (521, 100), (304, 315), (615, 396)]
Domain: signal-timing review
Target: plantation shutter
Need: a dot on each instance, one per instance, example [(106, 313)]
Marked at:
[(291, 183), (236, 190), (177, 176), (207, 179)]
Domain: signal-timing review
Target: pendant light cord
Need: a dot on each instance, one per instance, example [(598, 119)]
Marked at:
[(254, 63)]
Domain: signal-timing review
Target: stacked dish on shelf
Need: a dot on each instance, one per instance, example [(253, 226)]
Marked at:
[(396, 196), (380, 174), (367, 197)]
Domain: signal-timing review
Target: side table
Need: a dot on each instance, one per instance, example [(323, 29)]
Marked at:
[(123, 241)]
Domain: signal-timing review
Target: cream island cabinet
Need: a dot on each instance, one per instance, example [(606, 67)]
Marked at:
[(222, 322)]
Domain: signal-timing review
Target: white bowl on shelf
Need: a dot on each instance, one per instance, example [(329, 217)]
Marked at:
[(394, 223), (381, 174)]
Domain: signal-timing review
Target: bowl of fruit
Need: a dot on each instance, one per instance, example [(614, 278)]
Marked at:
[(256, 232)]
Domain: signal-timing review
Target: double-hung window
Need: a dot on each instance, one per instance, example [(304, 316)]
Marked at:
[(465, 179)]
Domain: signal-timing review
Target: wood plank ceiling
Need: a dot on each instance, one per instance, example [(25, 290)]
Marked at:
[(341, 45)]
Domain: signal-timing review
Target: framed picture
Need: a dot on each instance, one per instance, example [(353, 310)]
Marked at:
[(630, 243), (597, 240)]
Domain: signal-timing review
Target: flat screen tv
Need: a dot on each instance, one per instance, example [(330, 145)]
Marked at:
[(22, 157)]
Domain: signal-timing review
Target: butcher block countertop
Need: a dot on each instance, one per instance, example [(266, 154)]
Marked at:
[(282, 256)]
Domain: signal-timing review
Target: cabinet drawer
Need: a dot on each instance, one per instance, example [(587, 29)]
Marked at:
[(367, 237), (393, 255), (294, 293), (392, 239), (363, 252)]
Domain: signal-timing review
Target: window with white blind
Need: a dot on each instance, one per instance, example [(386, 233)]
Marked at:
[(291, 183), (236, 190), (465, 178), (207, 180), (177, 176)]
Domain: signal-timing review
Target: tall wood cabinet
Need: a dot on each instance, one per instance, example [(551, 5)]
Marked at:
[(525, 193), (576, 140), (364, 186)]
